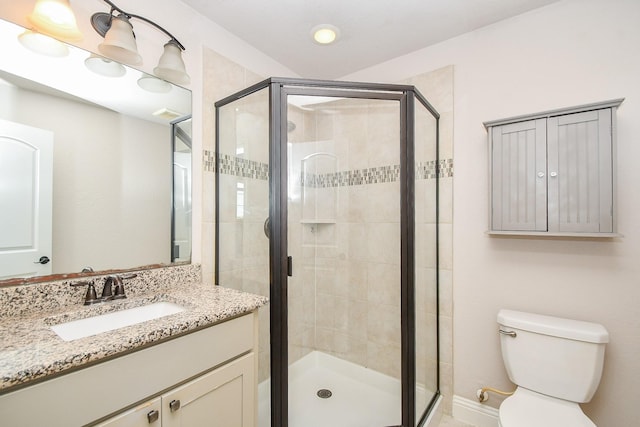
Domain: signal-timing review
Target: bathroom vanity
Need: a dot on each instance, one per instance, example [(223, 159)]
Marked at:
[(194, 367)]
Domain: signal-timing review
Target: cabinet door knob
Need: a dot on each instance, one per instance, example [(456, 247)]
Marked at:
[(540, 174), (153, 416), (174, 405), (553, 174)]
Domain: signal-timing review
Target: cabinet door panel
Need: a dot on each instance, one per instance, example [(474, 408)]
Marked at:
[(518, 176), (580, 184), (222, 398)]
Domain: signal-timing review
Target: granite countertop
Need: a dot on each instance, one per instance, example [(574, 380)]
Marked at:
[(30, 350)]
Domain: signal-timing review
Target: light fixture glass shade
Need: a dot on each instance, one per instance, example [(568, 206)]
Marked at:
[(55, 18), (104, 66), (153, 84), (171, 66), (120, 43), (42, 44)]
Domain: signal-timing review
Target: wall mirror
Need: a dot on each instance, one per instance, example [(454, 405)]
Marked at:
[(95, 164)]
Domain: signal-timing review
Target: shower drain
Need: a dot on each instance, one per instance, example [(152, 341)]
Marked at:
[(324, 393)]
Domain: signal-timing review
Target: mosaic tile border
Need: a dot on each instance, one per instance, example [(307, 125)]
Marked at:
[(382, 174), (209, 161), (233, 165), (351, 177)]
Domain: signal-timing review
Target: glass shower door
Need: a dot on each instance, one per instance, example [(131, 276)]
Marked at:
[(426, 259), (242, 209), (344, 315)]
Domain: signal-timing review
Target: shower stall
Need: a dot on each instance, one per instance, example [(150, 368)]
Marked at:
[(327, 203)]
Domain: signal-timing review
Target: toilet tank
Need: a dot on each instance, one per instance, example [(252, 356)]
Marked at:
[(558, 357)]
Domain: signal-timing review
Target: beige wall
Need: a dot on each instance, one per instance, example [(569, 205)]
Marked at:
[(569, 53)]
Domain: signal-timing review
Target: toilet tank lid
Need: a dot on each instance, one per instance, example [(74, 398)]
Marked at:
[(554, 326)]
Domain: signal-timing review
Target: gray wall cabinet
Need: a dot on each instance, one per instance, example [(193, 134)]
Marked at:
[(552, 173)]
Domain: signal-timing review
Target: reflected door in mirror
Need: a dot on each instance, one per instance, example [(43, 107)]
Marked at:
[(26, 169)]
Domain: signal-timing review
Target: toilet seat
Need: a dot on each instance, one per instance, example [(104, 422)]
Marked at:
[(527, 408)]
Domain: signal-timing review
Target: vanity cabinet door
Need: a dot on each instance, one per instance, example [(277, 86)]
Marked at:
[(222, 398), (146, 414)]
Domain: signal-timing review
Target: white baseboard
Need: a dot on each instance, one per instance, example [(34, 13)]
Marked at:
[(474, 413)]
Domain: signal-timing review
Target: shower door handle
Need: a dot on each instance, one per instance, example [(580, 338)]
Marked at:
[(289, 266)]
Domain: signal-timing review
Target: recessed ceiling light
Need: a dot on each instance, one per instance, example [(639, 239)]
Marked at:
[(325, 34)]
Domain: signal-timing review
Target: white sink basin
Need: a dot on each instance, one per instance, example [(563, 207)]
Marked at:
[(82, 328)]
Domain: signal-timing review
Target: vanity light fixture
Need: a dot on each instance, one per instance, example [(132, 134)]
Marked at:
[(104, 67), (55, 18), (119, 41), (120, 44), (43, 44), (153, 84), (325, 34)]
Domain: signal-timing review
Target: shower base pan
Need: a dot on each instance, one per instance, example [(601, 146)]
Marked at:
[(327, 391)]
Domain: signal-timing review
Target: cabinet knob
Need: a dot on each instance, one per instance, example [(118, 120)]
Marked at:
[(174, 405), (153, 416), (540, 174), (553, 174)]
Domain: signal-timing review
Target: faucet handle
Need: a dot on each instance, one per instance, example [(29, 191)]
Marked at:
[(90, 297)]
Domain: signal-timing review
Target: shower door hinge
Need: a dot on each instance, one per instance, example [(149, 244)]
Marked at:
[(289, 266)]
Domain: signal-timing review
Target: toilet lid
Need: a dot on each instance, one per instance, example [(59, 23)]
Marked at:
[(529, 409)]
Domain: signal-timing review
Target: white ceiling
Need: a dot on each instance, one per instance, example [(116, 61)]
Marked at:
[(372, 31)]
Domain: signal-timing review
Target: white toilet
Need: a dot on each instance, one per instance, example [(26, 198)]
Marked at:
[(556, 364)]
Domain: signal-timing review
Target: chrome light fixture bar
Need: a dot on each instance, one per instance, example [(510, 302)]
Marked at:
[(120, 43)]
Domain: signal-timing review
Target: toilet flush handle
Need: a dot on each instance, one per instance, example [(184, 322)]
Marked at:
[(512, 334)]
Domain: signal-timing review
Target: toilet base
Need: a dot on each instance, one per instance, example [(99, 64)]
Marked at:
[(526, 408)]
